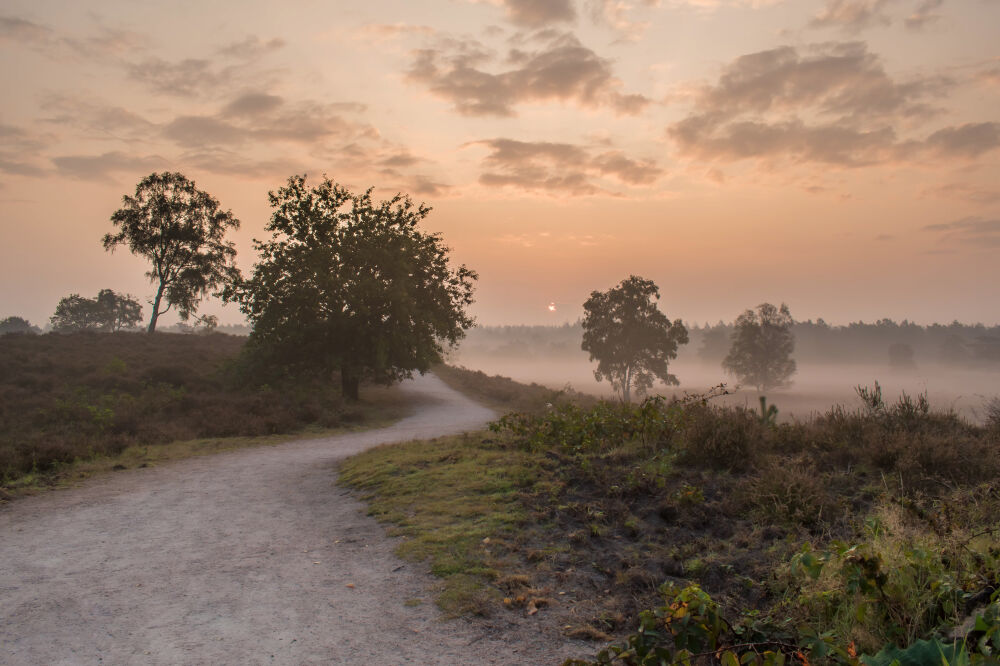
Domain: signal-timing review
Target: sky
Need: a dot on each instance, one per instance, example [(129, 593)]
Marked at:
[(841, 156)]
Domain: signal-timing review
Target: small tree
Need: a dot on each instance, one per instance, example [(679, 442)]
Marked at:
[(75, 313), (346, 284), (108, 312), (628, 336), (762, 346), (181, 230), (16, 325)]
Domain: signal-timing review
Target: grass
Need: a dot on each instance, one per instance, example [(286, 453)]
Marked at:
[(75, 405), (604, 504), (453, 502)]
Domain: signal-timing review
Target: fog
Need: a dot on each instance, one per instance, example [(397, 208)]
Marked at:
[(551, 356)]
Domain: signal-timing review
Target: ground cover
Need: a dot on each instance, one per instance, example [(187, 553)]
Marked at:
[(834, 537), (76, 404)]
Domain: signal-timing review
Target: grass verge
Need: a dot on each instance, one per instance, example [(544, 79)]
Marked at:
[(455, 503)]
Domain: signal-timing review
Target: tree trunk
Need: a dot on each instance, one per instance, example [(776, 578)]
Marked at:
[(156, 309), (349, 384), (627, 386)]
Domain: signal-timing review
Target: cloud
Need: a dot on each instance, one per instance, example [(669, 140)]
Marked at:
[(260, 117), (95, 119), (423, 185), (828, 104), (252, 47), (563, 70), (102, 43), (19, 150), (977, 231), (923, 15), (966, 192), (252, 104), (969, 140), (842, 79), (559, 167), (538, 13), (617, 15), (852, 15), (101, 167), (234, 66)]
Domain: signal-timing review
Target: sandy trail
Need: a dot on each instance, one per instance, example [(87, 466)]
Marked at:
[(238, 558)]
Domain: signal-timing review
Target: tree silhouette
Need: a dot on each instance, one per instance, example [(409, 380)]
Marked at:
[(350, 285), (181, 230), (628, 336)]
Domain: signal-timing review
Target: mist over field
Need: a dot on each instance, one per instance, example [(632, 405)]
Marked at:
[(948, 366)]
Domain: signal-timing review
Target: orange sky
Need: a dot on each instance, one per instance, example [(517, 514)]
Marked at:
[(842, 156)]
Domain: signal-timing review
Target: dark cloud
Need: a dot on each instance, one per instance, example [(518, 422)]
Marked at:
[(977, 231), (699, 137), (969, 140), (400, 159), (852, 15), (563, 69), (830, 104), (537, 13), (559, 167), (104, 166), (252, 104), (835, 79)]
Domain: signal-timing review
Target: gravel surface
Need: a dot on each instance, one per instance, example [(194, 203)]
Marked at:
[(248, 557)]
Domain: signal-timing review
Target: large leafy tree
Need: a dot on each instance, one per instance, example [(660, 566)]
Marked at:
[(628, 336), (351, 285), (762, 346), (16, 325), (108, 312), (181, 230)]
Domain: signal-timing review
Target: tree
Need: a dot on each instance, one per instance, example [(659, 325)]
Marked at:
[(628, 336), (108, 312), (16, 325), (349, 285), (181, 230), (901, 356), (762, 346)]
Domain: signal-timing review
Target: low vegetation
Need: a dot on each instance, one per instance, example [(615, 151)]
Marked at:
[(870, 531), (91, 396)]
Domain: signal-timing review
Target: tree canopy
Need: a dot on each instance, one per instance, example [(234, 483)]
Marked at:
[(762, 346), (107, 312), (181, 230), (351, 285), (628, 336)]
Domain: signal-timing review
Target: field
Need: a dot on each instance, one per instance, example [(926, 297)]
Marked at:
[(834, 536), (90, 397)]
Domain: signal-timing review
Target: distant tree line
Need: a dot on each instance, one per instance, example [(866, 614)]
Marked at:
[(882, 343)]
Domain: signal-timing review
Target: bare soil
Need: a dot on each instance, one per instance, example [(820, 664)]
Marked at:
[(248, 557)]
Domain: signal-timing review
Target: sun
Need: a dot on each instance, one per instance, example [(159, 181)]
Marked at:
[(552, 307)]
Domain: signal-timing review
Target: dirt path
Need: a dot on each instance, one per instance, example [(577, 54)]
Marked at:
[(239, 558)]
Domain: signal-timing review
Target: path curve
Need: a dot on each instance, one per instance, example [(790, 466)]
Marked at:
[(237, 558)]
